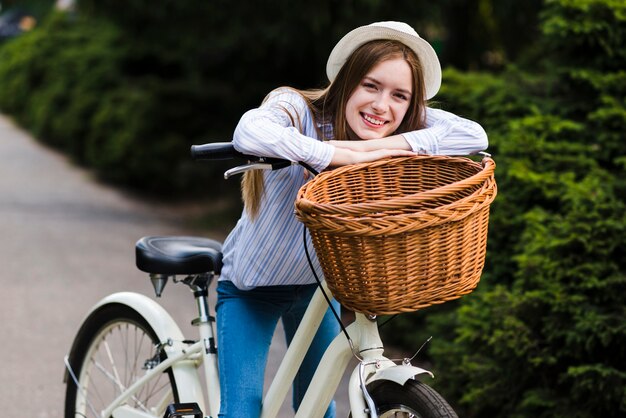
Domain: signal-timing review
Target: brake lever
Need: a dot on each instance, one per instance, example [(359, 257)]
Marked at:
[(262, 164)]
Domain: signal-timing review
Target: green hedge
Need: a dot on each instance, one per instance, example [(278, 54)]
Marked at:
[(544, 335), (126, 88), (69, 82), (50, 76)]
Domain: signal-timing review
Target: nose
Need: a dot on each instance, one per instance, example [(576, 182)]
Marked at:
[(380, 104)]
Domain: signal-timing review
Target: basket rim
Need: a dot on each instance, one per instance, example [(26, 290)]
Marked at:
[(369, 222), (307, 205)]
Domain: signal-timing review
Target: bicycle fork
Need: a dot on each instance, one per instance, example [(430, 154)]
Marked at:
[(364, 344)]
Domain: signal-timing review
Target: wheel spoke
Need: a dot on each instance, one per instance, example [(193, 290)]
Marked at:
[(113, 379), (80, 388), (93, 387)]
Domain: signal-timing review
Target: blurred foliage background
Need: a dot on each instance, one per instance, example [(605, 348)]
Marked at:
[(126, 87)]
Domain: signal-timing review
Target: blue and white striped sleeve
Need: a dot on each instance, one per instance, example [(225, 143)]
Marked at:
[(447, 134), (269, 131)]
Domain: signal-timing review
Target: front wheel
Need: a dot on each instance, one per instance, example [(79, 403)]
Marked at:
[(114, 347), (413, 399)]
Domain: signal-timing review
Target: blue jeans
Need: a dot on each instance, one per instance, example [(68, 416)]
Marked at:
[(246, 321)]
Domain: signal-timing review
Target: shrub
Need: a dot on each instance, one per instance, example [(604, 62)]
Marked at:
[(544, 335), (69, 82)]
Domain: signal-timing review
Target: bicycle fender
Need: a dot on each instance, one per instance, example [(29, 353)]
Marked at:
[(398, 374), (158, 318), (185, 372)]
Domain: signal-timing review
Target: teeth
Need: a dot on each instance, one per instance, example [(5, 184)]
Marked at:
[(374, 121)]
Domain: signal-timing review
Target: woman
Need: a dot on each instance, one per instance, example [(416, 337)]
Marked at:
[(375, 107)]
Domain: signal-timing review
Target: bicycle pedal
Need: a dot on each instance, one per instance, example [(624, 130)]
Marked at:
[(183, 410)]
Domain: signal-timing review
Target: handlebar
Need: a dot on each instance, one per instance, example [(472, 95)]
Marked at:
[(226, 151), (217, 151)]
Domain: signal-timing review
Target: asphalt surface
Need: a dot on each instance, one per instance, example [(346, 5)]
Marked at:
[(66, 242)]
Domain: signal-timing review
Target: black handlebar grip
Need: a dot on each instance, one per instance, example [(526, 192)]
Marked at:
[(215, 151), (226, 151)]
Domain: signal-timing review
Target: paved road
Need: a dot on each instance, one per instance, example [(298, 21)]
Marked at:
[(66, 241)]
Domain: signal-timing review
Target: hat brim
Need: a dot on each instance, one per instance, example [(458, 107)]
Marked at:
[(425, 53)]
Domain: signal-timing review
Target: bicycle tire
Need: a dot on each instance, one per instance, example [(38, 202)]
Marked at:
[(109, 352), (413, 399)]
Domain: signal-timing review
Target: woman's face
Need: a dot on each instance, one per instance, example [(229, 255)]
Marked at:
[(378, 104)]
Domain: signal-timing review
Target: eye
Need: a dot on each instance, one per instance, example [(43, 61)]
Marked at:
[(402, 96), (369, 85)]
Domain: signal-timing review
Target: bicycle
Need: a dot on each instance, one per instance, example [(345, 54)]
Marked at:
[(130, 359)]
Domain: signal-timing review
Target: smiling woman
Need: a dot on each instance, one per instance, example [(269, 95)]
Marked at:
[(381, 100), (374, 107)]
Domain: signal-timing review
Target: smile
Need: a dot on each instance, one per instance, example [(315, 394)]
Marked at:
[(372, 120)]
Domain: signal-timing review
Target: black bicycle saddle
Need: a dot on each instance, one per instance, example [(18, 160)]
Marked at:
[(174, 255)]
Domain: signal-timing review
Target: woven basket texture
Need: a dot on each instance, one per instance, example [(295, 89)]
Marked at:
[(401, 234)]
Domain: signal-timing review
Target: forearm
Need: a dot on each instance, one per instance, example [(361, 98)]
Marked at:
[(345, 156), (447, 134), (268, 131), (394, 142)]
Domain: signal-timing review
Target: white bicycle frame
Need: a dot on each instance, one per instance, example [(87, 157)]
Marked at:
[(184, 360)]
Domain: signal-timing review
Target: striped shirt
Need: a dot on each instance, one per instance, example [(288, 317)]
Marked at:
[(269, 250)]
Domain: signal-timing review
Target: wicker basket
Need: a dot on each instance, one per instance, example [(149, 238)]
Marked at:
[(400, 234)]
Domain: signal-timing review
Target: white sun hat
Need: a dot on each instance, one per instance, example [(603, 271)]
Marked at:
[(396, 31)]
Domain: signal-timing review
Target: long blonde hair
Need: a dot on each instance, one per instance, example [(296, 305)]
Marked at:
[(328, 105)]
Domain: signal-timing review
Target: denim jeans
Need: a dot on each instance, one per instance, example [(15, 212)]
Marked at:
[(246, 321)]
